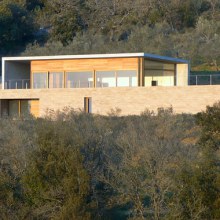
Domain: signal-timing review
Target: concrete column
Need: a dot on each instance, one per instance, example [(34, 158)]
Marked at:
[(182, 74)]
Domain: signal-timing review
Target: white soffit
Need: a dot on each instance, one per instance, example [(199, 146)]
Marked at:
[(92, 56)]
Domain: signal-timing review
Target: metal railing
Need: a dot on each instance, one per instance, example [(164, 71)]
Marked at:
[(17, 84), (70, 84), (211, 79), (208, 79), (79, 84), (40, 85), (25, 84)]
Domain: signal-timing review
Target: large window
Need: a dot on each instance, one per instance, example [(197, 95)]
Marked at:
[(79, 79), (105, 79), (25, 107), (20, 107), (159, 73), (119, 78), (155, 65), (126, 78), (85, 79), (13, 106), (40, 80), (56, 80)]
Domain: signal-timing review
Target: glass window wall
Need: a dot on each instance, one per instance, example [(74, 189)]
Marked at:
[(13, 108), (56, 80), (79, 79), (149, 64), (22, 107), (25, 107), (159, 73), (119, 78), (126, 78), (105, 79), (40, 80)]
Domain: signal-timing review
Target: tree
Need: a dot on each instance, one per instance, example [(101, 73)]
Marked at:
[(64, 18), (16, 26), (198, 196), (15, 143), (149, 149), (57, 185)]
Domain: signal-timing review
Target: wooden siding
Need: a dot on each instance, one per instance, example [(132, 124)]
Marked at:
[(34, 108), (79, 65), (85, 64)]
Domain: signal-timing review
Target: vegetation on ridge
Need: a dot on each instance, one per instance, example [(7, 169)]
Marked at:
[(188, 29), (81, 166)]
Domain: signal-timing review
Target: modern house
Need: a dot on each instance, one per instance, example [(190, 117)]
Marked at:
[(96, 83)]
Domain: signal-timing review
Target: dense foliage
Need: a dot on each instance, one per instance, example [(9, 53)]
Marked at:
[(74, 165), (189, 29)]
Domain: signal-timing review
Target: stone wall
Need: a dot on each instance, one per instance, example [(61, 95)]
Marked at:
[(187, 99)]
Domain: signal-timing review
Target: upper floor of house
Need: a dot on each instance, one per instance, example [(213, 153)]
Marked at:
[(93, 71)]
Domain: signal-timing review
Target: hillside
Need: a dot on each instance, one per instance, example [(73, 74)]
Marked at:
[(189, 29), (73, 165)]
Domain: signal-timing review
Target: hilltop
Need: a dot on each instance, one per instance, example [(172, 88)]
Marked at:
[(189, 29)]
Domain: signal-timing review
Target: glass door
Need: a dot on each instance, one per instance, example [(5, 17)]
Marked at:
[(55, 79)]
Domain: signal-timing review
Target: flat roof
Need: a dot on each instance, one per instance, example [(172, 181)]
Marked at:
[(93, 56)]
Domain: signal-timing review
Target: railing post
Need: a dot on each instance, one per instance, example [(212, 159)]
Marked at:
[(210, 79), (196, 80)]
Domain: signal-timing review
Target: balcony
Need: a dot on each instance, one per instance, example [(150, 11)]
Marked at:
[(17, 84), (25, 84), (100, 83), (42, 81)]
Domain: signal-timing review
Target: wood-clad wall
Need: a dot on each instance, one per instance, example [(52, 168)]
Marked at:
[(34, 108), (85, 64)]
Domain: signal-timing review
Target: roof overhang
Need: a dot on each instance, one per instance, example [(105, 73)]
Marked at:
[(98, 56)]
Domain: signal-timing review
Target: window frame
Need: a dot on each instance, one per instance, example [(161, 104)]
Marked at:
[(80, 71), (42, 72), (63, 73)]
